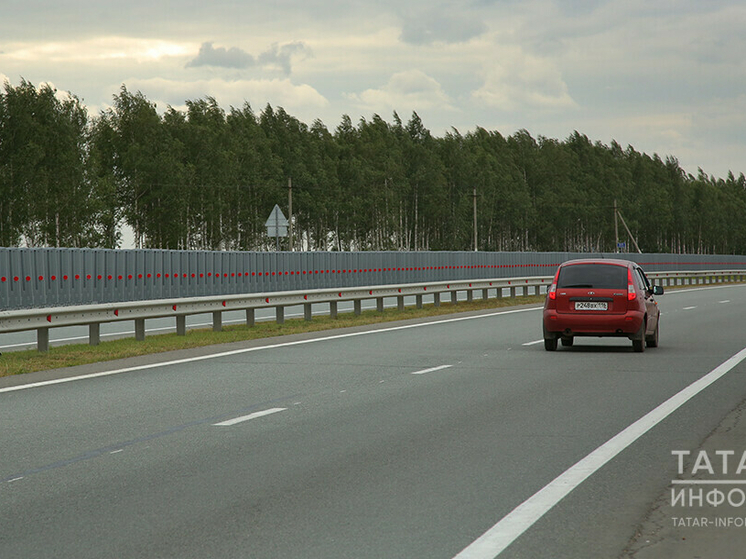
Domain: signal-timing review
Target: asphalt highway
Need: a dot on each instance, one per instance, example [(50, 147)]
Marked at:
[(409, 440)]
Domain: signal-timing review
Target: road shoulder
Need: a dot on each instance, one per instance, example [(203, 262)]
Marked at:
[(699, 515)]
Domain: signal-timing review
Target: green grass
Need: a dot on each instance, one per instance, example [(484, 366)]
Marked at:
[(20, 362)]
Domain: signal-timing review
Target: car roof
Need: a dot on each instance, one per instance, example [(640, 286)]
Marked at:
[(613, 261)]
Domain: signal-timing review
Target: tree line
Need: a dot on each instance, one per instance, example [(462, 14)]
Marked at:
[(204, 178)]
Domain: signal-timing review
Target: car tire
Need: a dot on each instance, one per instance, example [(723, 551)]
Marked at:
[(638, 342), (652, 341), (567, 341), (550, 340)]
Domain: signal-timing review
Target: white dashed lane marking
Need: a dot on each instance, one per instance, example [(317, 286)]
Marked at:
[(432, 370), (249, 417)]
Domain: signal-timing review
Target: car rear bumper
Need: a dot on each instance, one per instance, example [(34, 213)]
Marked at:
[(597, 324)]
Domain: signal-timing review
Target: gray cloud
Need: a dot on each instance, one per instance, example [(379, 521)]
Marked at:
[(276, 56), (440, 27), (221, 57), (280, 55)]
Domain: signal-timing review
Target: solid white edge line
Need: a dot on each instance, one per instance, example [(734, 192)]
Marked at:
[(533, 343), (432, 369), (248, 417), (261, 348), (507, 530)]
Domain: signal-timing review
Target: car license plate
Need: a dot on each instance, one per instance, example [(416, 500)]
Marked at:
[(590, 306)]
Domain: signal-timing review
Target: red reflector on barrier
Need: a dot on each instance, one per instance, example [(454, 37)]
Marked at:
[(305, 297), (266, 300), (116, 312), (174, 307), (223, 303), (49, 318)]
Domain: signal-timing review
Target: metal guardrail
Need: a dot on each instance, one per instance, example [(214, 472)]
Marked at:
[(93, 316)]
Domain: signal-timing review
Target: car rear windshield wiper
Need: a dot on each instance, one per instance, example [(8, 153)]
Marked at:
[(577, 285)]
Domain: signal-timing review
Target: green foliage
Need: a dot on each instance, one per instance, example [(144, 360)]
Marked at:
[(204, 179)]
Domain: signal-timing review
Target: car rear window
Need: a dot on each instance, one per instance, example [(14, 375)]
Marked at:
[(599, 276)]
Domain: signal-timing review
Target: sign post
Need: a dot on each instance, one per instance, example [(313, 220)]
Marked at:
[(277, 225)]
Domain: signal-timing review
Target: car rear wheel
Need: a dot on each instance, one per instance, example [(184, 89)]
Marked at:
[(550, 341), (652, 341), (638, 342)]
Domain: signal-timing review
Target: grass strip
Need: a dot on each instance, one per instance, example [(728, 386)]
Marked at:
[(21, 362)]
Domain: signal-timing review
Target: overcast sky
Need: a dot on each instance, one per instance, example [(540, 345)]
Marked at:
[(665, 76)]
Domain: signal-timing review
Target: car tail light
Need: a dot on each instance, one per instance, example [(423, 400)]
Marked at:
[(631, 293), (552, 291)]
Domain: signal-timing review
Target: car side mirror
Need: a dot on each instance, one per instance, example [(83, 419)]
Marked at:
[(657, 290)]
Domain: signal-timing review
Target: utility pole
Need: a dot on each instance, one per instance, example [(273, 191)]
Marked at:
[(290, 213), (630, 233), (616, 228), (475, 218)]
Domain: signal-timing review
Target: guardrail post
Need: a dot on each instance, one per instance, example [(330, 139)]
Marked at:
[(217, 321), (307, 315), (140, 329), (280, 315), (400, 302), (250, 317), (454, 298), (418, 299), (512, 292), (42, 339), (358, 306), (485, 293), (436, 299), (181, 325), (333, 309), (469, 295), (379, 304), (94, 333)]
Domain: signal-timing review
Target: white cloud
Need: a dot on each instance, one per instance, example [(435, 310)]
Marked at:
[(278, 92), (518, 80), (96, 50), (407, 90)]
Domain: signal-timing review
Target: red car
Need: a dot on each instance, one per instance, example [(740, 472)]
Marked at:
[(601, 297)]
